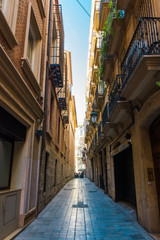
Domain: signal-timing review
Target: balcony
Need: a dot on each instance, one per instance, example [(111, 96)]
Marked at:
[(142, 60), (105, 115), (56, 57), (99, 95), (99, 129), (62, 104), (97, 50), (118, 33), (117, 113), (108, 67), (107, 126), (118, 107), (92, 88), (55, 75), (94, 73), (100, 134), (104, 11), (114, 94), (65, 117), (96, 15)]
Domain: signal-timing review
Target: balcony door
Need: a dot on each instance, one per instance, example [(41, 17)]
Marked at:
[(155, 142)]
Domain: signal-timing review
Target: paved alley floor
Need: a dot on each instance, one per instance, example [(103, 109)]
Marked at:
[(82, 211)]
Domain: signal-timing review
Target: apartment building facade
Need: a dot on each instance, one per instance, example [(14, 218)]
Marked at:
[(29, 124), (23, 26), (123, 146), (58, 156)]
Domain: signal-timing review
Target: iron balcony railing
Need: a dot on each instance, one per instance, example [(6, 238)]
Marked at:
[(145, 41), (99, 129), (115, 92), (62, 100), (65, 117), (105, 115), (57, 46)]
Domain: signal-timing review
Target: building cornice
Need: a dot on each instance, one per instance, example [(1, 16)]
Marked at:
[(20, 94)]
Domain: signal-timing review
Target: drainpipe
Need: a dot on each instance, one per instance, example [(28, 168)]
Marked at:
[(46, 92)]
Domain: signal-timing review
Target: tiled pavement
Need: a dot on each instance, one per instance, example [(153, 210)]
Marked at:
[(82, 211)]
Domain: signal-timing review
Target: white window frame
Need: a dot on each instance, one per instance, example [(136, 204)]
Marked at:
[(8, 20), (32, 69), (10, 11)]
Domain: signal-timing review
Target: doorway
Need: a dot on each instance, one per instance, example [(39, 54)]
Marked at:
[(124, 177), (155, 143), (101, 180)]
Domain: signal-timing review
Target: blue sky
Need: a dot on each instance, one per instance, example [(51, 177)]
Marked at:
[(76, 28)]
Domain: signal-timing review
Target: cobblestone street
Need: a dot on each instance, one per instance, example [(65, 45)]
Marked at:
[(82, 211)]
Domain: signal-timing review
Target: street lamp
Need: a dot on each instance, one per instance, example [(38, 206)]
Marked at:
[(93, 117)]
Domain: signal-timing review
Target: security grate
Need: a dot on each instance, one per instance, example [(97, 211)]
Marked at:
[(80, 205)]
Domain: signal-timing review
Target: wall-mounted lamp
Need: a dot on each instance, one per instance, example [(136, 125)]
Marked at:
[(39, 128), (128, 137), (93, 117)]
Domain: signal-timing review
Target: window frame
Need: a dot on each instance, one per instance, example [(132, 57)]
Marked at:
[(8, 22), (11, 13), (32, 70)]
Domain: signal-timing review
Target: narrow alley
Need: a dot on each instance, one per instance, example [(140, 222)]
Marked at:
[(82, 211)]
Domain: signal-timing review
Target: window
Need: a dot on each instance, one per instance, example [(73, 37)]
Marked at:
[(31, 62), (6, 151), (8, 20), (30, 47), (10, 10)]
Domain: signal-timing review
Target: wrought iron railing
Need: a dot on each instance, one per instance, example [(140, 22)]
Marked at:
[(99, 129), (62, 100), (65, 117), (105, 115), (57, 46), (145, 41), (115, 92)]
